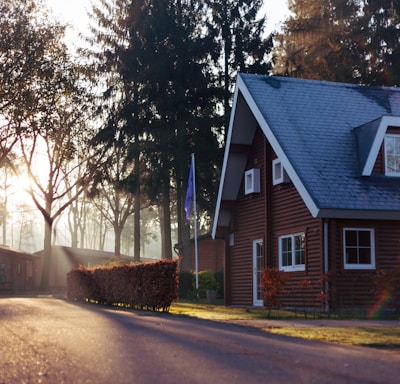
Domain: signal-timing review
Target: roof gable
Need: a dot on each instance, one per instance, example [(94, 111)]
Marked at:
[(369, 140), (323, 133)]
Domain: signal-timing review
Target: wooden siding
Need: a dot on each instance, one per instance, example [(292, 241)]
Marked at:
[(18, 269), (379, 166), (275, 211), (248, 225), (353, 289), (210, 254), (290, 215)]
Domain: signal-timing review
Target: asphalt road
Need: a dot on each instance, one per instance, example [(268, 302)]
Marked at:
[(47, 340)]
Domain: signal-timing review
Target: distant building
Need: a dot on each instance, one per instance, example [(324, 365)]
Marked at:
[(18, 270), (210, 253)]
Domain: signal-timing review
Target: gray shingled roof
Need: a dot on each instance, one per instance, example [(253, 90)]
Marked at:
[(313, 125)]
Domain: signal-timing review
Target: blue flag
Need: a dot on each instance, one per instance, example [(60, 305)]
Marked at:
[(189, 194)]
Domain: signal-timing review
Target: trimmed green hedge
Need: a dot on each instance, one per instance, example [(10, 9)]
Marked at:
[(151, 286)]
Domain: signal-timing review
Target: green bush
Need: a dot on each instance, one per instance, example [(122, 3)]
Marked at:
[(207, 281)]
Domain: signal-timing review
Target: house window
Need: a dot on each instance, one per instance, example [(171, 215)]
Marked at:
[(279, 174), (359, 248), (392, 155), (291, 252), (252, 181)]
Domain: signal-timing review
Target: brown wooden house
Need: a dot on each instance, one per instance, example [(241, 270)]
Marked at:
[(310, 184), (18, 270)]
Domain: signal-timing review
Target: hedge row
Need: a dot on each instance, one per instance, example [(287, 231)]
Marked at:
[(141, 286)]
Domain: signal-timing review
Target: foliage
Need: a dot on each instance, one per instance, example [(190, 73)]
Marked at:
[(274, 286), (377, 36), (140, 285), (44, 109), (240, 43), (341, 40), (207, 281), (161, 66), (386, 290)]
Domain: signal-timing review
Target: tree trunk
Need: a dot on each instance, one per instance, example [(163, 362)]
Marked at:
[(117, 247), (136, 226), (48, 227), (187, 254), (166, 222)]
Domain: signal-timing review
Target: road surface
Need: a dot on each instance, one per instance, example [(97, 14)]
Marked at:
[(48, 340)]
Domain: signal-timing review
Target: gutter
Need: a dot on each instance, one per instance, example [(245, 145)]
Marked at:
[(326, 265)]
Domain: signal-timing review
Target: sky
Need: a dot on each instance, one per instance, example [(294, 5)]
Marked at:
[(74, 12)]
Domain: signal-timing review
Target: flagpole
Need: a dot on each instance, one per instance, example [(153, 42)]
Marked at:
[(195, 223)]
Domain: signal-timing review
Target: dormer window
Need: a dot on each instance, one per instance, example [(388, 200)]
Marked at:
[(392, 155)]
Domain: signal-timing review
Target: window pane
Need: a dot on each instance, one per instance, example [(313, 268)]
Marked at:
[(286, 259), (389, 144), (364, 238), (351, 256), (351, 238), (259, 249), (364, 256), (286, 251), (397, 145), (390, 163), (286, 244), (299, 257), (299, 249)]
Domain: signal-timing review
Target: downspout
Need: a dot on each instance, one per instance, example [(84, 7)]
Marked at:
[(326, 265)]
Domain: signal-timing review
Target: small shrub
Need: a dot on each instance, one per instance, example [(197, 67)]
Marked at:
[(386, 289), (207, 281), (273, 283), (141, 286)]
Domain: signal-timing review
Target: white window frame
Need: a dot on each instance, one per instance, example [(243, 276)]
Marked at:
[(293, 267), (279, 174), (389, 172), (370, 265), (257, 272), (252, 181)]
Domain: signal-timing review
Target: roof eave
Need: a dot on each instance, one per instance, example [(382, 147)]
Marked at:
[(354, 214)]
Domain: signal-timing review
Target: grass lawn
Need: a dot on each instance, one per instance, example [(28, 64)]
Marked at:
[(377, 337)]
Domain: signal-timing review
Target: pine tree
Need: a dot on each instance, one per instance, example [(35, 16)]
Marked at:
[(168, 57), (379, 33), (316, 41), (239, 42)]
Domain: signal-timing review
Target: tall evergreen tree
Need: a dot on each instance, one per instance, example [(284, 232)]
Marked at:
[(378, 36), (240, 43), (118, 104), (168, 58), (341, 40), (316, 41)]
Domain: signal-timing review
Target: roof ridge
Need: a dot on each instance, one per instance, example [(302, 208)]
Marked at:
[(321, 82)]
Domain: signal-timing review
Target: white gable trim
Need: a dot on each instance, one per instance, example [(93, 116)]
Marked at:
[(312, 207), (242, 89), (224, 165), (386, 122)]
